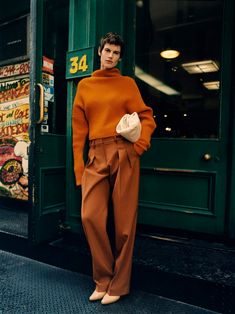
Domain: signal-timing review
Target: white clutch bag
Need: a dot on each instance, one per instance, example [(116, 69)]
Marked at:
[(129, 127)]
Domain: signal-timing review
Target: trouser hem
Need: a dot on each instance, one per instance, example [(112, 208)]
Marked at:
[(118, 293)]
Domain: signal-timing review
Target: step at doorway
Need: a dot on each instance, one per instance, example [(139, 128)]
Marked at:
[(14, 217)]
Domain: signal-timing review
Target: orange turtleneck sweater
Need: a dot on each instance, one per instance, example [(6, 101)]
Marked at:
[(100, 102)]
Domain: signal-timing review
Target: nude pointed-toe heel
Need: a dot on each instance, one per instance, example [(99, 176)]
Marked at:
[(96, 295), (108, 299)]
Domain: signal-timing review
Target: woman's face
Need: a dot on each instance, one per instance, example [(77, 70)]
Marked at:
[(109, 56)]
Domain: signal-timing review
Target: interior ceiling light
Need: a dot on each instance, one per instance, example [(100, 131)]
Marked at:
[(168, 129), (152, 81), (169, 54), (212, 85), (140, 3), (201, 67)]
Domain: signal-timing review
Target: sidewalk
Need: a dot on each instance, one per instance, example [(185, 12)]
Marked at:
[(31, 287), (187, 270)]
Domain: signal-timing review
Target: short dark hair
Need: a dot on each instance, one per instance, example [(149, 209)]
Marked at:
[(112, 39)]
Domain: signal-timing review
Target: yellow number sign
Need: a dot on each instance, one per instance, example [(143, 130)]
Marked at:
[(79, 63)]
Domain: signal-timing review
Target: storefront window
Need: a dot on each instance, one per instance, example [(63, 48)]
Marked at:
[(182, 85)]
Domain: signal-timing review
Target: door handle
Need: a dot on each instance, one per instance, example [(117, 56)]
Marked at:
[(207, 157), (41, 103)]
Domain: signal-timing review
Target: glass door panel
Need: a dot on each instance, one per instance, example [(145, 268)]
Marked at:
[(178, 61)]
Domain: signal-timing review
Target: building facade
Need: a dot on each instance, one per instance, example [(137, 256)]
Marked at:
[(181, 55)]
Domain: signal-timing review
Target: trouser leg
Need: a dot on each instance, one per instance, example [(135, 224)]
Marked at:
[(115, 165), (95, 196), (125, 202)]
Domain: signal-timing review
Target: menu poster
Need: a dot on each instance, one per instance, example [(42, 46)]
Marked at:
[(14, 138), (14, 69)]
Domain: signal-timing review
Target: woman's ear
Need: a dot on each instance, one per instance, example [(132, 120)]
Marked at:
[(99, 51)]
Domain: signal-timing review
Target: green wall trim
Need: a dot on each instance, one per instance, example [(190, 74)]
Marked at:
[(187, 210), (179, 221), (230, 32)]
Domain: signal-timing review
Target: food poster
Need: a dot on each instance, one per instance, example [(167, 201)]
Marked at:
[(48, 84), (14, 125)]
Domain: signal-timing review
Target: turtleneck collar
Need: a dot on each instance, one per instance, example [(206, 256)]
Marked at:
[(107, 73)]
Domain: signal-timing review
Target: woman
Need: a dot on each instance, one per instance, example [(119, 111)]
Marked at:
[(112, 169)]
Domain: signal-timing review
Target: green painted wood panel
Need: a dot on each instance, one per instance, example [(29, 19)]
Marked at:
[(82, 30), (178, 190)]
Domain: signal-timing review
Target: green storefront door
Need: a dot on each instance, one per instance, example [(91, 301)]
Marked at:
[(184, 175), (48, 93)]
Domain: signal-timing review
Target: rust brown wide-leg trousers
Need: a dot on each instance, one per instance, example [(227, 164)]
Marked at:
[(112, 167)]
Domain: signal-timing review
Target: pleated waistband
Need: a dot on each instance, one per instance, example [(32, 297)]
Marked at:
[(106, 140)]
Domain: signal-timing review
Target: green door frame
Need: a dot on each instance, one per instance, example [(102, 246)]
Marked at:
[(230, 51), (81, 35), (46, 154)]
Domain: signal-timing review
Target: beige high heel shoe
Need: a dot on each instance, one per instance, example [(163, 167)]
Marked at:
[(96, 295), (108, 299)]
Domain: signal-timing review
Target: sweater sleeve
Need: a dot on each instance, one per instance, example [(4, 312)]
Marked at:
[(136, 104), (80, 131)]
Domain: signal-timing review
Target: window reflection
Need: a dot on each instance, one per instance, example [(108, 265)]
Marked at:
[(182, 86)]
